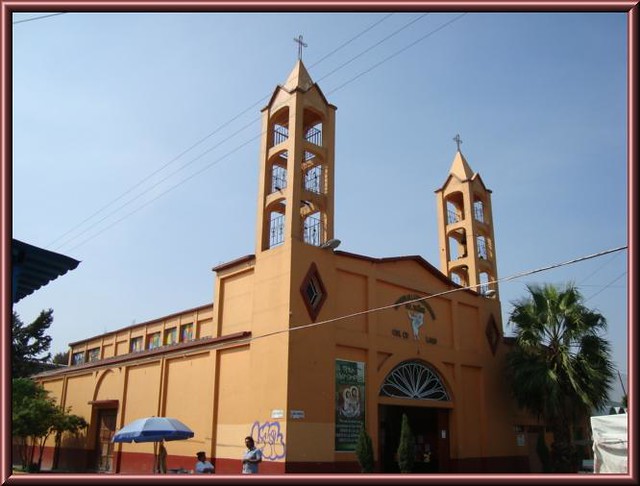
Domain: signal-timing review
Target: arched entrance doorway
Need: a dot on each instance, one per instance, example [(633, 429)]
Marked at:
[(421, 388)]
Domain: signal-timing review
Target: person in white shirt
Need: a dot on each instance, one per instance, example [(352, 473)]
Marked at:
[(251, 458), (202, 465)]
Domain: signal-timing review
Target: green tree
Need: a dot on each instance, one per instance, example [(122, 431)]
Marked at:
[(29, 343), (406, 447), (64, 422), (364, 451), (61, 358), (32, 413), (560, 367), (35, 416)]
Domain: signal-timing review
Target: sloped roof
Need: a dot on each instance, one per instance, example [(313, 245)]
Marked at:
[(34, 267), (298, 80)]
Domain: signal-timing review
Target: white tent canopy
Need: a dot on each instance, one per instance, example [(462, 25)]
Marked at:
[(610, 444)]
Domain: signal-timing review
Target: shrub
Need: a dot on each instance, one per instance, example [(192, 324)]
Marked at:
[(364, 451), (407, 447)]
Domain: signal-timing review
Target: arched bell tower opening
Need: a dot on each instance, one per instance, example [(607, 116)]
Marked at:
[(465, 224), (296, 198)]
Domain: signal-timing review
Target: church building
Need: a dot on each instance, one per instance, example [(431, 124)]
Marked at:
[(305, 344)]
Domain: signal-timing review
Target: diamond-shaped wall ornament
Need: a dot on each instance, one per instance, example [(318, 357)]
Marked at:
[(313, 292), (493, 336)]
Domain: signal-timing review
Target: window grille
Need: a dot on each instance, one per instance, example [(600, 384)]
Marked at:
[(280, 134), (482, 247), (313, 230), (276, 230), (478, 211), (314, 135), (313, 180), (414, 380), (278, 178)]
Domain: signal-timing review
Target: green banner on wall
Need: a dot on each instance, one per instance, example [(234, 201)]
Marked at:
[(349, 403)]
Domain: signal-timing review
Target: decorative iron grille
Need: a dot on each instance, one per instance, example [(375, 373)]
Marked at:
[(482, 247), (314, 136), (278, 178), (478, 211), (313, 180), (313, 230), (276, 231), (416, 380), (452, 216), (280, 134)]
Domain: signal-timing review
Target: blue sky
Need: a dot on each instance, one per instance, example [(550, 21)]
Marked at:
[(104, 103)]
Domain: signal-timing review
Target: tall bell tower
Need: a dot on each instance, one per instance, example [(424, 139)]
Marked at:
[(296, 185), (465, 227)]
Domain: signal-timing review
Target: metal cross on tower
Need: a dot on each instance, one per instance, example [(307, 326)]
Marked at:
[(301, 44), (458, 141)]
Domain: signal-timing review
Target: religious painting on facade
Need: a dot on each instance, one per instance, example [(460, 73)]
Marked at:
[(349, 404), (416, 308)]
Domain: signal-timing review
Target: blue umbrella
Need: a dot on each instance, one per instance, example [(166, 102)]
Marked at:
[(153, 429)]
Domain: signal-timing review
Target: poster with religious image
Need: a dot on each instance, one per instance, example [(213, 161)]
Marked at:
[(349, 403)]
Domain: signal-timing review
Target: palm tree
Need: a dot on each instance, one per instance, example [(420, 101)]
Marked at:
[(560, 367)]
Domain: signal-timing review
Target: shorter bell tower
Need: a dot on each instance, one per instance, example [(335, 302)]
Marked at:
[(465, 227)]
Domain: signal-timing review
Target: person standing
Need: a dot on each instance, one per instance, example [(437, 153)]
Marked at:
[(162, 459), (202, 465), (251, 458)]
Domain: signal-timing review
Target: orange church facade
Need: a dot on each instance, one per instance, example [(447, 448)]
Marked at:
[(304, 344)]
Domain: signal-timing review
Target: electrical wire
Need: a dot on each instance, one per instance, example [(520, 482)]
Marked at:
[(226, 155), (350, 40), (373, 46), (194, 145), (606, 286), (433, 296), (38, 18)]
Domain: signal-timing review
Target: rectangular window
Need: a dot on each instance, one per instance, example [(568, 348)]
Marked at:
[(153, 340), (170, 336), (186, 332), (136, 344), (93, 355), (77, 358)]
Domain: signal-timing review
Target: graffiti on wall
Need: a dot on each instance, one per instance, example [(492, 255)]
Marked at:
[(269, 439)]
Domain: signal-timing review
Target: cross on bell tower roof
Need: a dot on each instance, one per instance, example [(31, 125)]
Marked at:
[(301, 45), (457, 140)]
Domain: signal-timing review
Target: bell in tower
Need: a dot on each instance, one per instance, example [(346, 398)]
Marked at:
[(465, 227)]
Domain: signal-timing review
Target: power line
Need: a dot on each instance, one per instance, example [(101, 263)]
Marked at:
[(607, 286), (38, 18), (351, 40), (432, 296), (143, 180), (598, 269), (167, 191), (399, 52), (374, 46), (146, 191), (224, 140), (194, 145)]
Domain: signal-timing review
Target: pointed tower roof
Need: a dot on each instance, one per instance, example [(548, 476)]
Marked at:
[(298, 78), (460, 167)]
